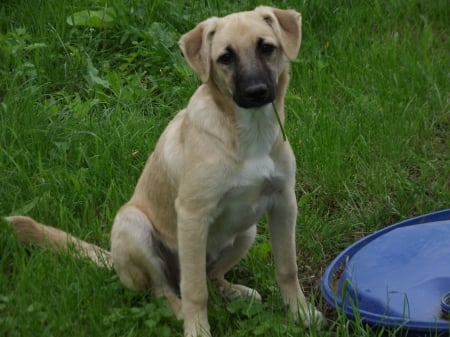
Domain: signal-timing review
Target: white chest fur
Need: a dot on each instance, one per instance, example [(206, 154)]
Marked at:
[(257, 134), (254, 183)]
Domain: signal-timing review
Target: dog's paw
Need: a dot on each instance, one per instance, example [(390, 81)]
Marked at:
[(196, 330), (310, 316), (233, 291)]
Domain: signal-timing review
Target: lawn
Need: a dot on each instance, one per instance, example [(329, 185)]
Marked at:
[(87, 86)]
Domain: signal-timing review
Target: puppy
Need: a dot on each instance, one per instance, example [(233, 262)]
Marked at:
[(218, 167)]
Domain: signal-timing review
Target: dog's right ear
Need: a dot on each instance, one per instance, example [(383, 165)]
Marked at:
[(196, 47)]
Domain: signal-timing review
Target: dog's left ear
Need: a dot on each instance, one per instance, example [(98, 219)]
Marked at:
[(196, 47), (287, 25)]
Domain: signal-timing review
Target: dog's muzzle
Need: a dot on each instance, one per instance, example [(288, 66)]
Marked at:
[(254, 86), (254, 95)]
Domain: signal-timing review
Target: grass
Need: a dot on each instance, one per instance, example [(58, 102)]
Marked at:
[(82, 105)]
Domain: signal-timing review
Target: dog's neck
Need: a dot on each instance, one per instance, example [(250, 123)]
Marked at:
[(257, 131)]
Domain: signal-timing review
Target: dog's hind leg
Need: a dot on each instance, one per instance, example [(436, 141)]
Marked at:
[(228, 258), (135, 256)]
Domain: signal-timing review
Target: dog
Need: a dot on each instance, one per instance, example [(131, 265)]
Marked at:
[(220, 164)]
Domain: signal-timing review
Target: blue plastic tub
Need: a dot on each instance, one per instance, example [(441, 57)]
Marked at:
[(396, 277)]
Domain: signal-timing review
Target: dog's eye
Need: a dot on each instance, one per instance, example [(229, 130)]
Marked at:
[(266, 48), (226, 58)]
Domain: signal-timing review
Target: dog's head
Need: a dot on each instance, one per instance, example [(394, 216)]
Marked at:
[(244, 53)]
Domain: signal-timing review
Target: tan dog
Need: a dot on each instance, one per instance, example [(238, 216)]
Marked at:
[(217, 168)]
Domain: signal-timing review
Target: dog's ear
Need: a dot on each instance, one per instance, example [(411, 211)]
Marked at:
[(196, 47), (287, 25)]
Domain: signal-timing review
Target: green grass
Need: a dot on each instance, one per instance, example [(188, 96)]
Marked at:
[(82, 106)]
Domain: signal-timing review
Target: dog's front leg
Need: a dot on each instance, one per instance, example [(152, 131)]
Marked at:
[(192, 237), (282, 220)]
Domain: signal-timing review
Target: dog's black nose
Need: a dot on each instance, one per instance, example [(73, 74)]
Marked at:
[(253, 93), (256, 92)]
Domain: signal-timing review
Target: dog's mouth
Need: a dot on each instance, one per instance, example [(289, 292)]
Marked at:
[(254, 95)]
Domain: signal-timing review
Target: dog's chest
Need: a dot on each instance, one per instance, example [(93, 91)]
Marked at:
[(253, 190), (254, 184), (254, 180)]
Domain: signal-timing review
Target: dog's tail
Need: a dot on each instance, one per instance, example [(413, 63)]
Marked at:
[(31, 232)]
